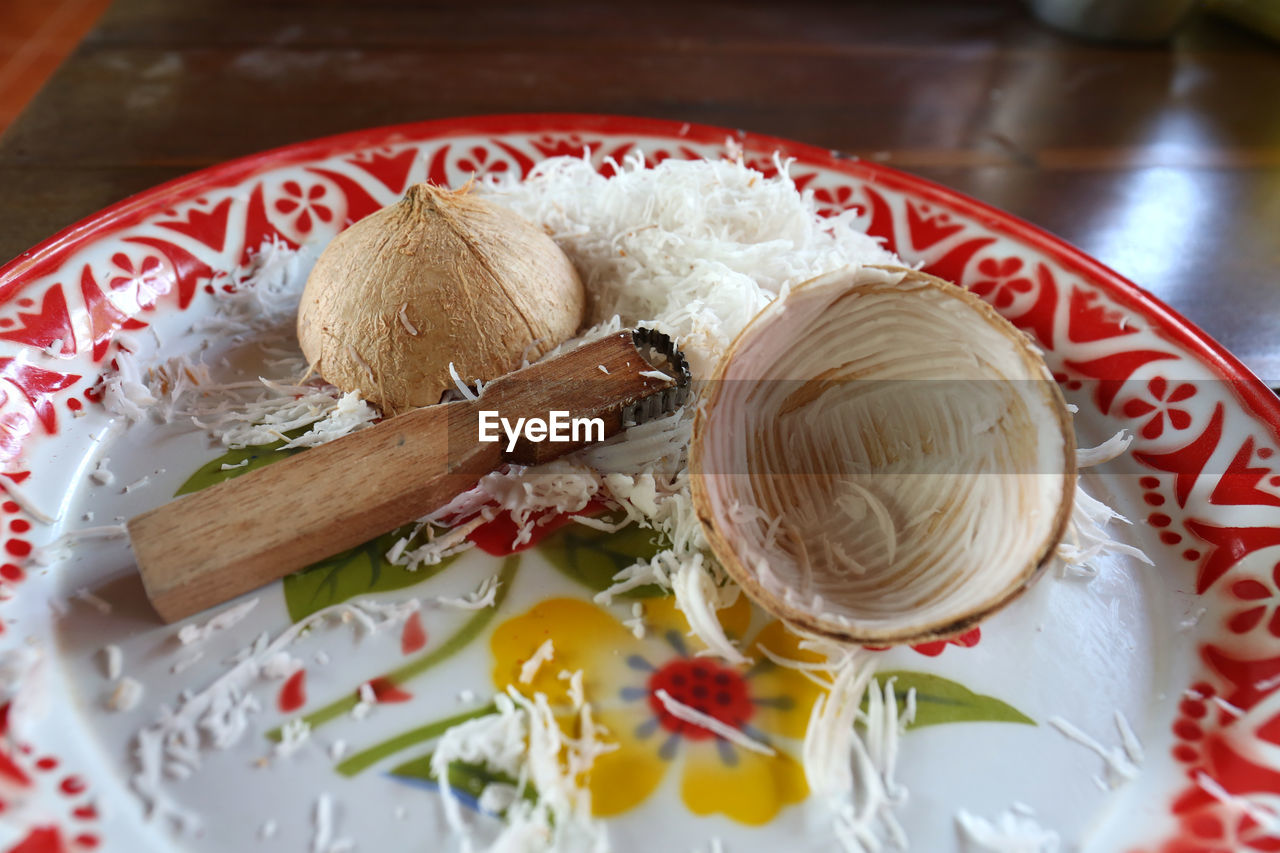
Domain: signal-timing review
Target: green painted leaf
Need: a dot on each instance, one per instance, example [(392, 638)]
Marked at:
[(459, 640), (940, 700), (593, 557), (245, 460), (465, 777), (366, 758), (359, 571)]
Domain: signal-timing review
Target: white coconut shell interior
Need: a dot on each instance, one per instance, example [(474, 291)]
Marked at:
[(882, 458)]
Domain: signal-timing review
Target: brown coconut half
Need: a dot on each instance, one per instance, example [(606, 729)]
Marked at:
[(881, 458), (442, 276)]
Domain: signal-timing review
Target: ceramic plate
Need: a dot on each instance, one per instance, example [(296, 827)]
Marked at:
[(1187, 650)]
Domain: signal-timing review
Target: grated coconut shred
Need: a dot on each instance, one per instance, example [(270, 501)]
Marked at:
[(694, 249)]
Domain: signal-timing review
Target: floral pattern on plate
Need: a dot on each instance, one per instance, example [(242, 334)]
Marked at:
[(1204, 488)]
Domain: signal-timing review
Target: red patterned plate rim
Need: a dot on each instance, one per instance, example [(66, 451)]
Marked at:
[(1251, 391), (1260, 406)]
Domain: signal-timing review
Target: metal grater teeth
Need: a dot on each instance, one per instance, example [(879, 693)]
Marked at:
[(660, 351)]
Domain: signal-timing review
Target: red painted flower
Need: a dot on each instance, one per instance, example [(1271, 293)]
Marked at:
[(498, 536), (1262, 603), (767, 166), (1002, 283), (478, 163), (1217, 828), (837, 200), (1164, 398), (150, 278), (634, 684), (301, 205), (703, 684)]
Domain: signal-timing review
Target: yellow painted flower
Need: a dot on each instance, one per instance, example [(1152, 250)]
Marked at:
[(621, 678)]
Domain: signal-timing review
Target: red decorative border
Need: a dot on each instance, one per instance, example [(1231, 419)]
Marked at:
[(1205, 426)]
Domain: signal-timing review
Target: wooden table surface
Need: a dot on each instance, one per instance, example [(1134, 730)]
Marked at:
[(1163, 162)]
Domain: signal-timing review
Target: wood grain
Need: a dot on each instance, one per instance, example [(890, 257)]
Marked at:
[(1162, 161), (214, 545), (35, 36)]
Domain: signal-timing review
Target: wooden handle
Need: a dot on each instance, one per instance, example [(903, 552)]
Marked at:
[(216, 544), (226, 540)]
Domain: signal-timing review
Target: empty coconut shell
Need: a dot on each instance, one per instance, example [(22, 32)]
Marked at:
[(881, 458)]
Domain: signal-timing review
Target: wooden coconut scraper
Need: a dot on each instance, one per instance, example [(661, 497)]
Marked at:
[(209, 547)]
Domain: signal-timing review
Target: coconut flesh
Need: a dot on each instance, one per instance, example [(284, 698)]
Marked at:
[(881, 458), (441, 277)]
